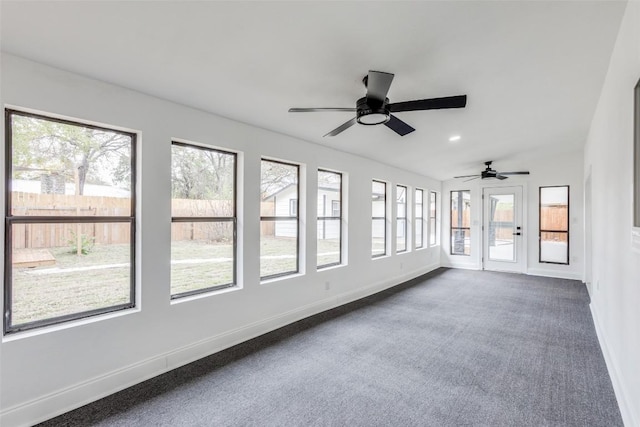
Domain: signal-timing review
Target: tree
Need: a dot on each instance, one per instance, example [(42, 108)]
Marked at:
[(201, 174), (48, 146), (276, 176)]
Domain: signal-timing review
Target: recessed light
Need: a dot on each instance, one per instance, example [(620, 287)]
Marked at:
[(454, 138)]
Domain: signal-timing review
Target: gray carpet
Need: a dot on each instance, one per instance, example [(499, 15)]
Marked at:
[(451, 348)]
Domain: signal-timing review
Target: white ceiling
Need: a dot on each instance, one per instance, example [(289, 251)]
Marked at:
[(532, 70)]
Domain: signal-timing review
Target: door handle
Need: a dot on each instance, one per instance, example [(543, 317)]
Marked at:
[(517, 234)]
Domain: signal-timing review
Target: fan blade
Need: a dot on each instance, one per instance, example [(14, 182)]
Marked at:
[(459, 101), (466, 176), (471, 179), (515, 173), (342, 127), (378, 84), (398, 126), (500, 177), (312, 110)]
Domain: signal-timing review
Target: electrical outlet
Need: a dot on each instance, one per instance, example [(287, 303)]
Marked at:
[(401, 266), (327, 286)]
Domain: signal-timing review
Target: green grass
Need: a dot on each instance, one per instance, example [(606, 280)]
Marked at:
[(44, 292), (214, 266)]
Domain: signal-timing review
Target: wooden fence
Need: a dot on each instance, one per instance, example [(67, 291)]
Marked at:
[(56, 235), (64, 234)]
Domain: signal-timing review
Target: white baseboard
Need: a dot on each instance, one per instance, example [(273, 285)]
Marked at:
[(554, 273), (67, 399), (461, 265), (629, 416)]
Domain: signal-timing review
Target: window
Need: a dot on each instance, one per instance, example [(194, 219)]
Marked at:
[(70, 220), (460, 222), (329, 219), (433, 216), (335, 207), (203, 219), (401, 218), (554, 224), (378, 218), (419, 207), (279, 223)]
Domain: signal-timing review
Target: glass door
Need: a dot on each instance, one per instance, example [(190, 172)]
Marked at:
[(503, 232)]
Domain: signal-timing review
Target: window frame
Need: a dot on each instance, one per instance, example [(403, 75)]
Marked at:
[(636, 159), (433, 231), (204, 219), (419, 215), (11, 219), (384, 218), (540, 230), (276, 218), (333, 217), (405, 217), (452, 228)]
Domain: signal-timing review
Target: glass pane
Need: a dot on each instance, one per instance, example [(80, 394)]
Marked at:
[(432, 232), (460, 209), (401, 236), (554, 247), (419, 233), (201, 255), (401, 201), (278, 186), (460, 242), (432, 204), (419, 196), (278, 247), (501, 228), (202, 182), (60, 169), (554, 208), (378, 199), (329, 193), (328, 242), (378, 244), (64, 269)]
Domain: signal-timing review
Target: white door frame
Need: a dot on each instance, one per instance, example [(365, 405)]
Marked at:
[(520, 202)]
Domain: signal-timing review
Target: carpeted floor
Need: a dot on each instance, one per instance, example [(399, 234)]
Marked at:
[(451, 348)]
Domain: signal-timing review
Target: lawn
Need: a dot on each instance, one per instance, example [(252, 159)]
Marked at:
[(78, 283)]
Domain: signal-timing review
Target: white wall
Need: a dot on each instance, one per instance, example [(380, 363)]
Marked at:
[(549, 169), (608, 161), (52, 370)]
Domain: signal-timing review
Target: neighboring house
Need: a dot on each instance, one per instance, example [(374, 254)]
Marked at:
[(285, 204)]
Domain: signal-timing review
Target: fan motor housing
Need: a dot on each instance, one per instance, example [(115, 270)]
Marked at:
[(379, 112)]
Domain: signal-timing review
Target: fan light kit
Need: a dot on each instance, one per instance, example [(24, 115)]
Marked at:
[(489, 173), (375, 109)]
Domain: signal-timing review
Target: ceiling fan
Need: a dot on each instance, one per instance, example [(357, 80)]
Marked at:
[(489, 173), (375, 109)]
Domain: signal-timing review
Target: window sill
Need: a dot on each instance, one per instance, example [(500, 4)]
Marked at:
[(635, 239), (30, 333), (331, 267), (205, 294), (281, 278)]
